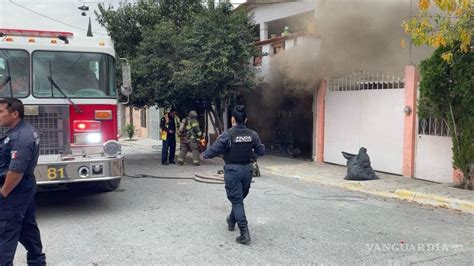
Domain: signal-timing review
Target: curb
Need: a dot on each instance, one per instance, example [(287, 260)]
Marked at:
[(436, 200), (400, 194)]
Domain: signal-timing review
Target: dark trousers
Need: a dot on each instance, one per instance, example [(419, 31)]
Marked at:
[(168, 145), (237, 185), (18, 224)]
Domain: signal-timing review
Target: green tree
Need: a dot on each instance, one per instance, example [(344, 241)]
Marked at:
[(131, 23), (126, 24), (191, 56), (214, 53), (447, 92)]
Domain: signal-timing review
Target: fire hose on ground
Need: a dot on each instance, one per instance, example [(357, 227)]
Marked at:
[(216, 179)]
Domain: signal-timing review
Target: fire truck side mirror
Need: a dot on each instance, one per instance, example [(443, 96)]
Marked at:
[(126, 91), (126, 88)]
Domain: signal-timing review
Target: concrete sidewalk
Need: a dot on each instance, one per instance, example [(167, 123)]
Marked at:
[(148, 144), (389, 186)]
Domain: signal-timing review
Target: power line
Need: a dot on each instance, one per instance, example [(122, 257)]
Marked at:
[(53, 19)]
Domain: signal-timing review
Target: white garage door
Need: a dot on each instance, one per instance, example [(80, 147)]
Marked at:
[(362, 113)]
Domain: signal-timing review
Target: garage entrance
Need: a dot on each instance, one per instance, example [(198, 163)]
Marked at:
[(283, 119)]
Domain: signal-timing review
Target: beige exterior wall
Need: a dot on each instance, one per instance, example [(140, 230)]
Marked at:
[(140, 131)]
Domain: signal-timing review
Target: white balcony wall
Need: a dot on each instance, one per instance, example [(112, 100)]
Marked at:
[(270, 12)]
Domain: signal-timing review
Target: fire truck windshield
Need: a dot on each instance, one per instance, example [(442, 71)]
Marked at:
[(14, 73), (79, 75)]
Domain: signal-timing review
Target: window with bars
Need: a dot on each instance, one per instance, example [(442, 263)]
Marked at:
[(366, 81), (433, 127)]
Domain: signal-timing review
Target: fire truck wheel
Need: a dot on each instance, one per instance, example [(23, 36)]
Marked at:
[(106, 186)]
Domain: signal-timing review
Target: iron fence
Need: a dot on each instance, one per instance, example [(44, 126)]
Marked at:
[(365, 81)]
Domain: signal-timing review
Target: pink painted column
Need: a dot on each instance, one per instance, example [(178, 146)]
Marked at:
[(457, 176), (320, 117), (411, 85)]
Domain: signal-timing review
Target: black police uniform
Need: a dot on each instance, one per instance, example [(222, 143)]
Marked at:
[(19, 151), (237, 144)]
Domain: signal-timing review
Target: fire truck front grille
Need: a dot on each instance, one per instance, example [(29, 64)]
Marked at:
[(51, 131), (52, 128)]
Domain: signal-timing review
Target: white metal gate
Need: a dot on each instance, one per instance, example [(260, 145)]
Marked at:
[(433, 159), (365, 110)]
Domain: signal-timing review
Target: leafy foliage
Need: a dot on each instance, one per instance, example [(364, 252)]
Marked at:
[(183, 53), (130, 130), (447, 92), (443, 23)]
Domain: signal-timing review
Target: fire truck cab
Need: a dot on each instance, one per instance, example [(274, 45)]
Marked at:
[(68, 87)]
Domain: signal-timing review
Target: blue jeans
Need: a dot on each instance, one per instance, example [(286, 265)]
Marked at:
[(237, 185), (169, 144), (18, 224)]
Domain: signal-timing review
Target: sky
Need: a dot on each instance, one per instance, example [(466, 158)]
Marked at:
[(57, 15)]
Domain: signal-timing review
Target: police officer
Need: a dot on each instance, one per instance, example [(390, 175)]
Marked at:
[(19, 151), (168, 126), (237, 145), (191, 134)]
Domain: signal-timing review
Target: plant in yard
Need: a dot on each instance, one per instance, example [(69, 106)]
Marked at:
[(130, 130), (447, 92)]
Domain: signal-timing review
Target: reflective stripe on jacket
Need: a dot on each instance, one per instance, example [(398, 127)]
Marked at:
[(164, 133), (193, 132)]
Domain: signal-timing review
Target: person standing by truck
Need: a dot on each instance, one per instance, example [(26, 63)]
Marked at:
[(19, 151), (168, 126)]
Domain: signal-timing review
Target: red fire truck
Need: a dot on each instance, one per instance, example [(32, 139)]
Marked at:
[(68, 86)]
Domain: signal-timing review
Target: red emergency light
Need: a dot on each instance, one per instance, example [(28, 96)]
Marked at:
[(86, 126), (35, 33)]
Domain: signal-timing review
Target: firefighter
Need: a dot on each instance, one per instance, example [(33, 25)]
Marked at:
[(19, 151), (237, 144), (190, 136), (168, 125)]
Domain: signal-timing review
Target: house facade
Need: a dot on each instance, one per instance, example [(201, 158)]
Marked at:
[(365, 94), (145, 120)]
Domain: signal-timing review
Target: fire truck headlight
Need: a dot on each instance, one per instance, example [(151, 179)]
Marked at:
[(94, 138), (112, 148)]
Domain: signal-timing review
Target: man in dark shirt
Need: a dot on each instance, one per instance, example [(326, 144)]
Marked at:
[(19, 151), (168, 126), (237, 144)]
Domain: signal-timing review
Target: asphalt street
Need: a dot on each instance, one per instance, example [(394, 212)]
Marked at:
[(181, 221)]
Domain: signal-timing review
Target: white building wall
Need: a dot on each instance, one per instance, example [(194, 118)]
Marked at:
[(433, 159), (154, 117), (270, 12)]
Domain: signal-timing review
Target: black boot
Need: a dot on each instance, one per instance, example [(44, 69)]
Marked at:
[(244, 237), (230, 224)]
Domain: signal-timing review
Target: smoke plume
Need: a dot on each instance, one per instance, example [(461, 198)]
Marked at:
[(355, 35)]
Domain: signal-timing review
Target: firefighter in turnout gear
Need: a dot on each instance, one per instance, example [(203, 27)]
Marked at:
[(190, 134), (237, 144), (168, 128)]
